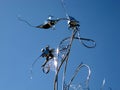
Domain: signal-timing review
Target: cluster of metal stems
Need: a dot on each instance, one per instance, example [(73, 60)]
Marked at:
[(63, 51)]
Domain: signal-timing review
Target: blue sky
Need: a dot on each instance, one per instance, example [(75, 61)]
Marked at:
[(20, 44)]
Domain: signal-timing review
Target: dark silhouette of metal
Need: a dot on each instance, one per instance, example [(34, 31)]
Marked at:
[(49, 23)]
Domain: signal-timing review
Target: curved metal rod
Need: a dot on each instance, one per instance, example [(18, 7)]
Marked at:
[(76, 72), (82, 41), (89, 40), (86, 39), (65, 67), (63, 60)]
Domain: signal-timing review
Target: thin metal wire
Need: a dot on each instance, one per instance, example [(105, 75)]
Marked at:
[(23, 20), (31, 69), (64, 8)]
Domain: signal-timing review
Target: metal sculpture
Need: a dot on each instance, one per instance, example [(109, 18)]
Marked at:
[(56, 58)]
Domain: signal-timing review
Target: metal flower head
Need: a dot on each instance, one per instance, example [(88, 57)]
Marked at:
[(49, 23), (73, 23)]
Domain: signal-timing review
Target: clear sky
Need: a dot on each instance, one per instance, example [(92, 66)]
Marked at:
[(20, 44)]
